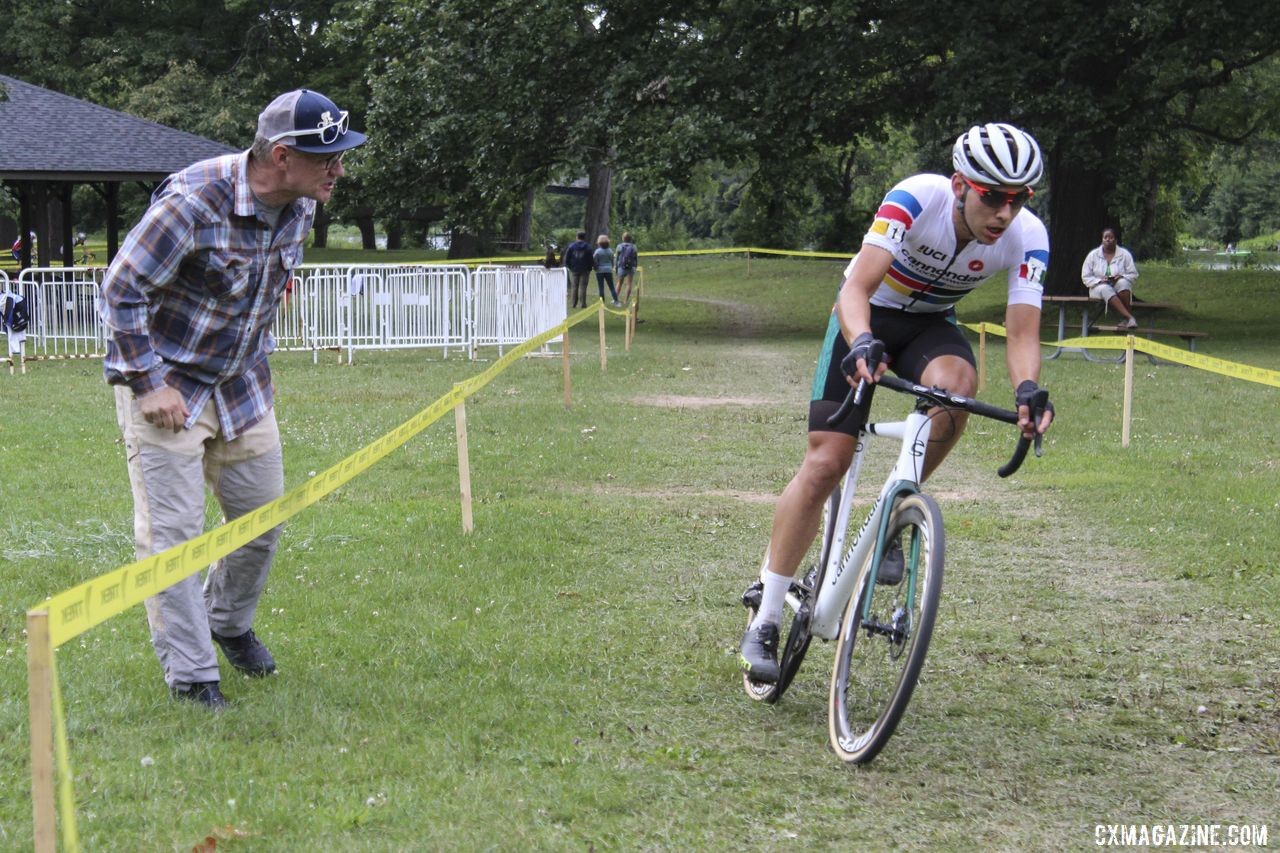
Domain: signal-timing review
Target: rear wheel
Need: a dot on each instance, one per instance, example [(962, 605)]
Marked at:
[(882, 644)]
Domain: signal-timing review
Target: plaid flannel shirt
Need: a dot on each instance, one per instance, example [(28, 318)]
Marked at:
[(190, 298)]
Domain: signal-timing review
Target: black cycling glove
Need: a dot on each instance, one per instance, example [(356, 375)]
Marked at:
[(1026, 396), (862, 348)]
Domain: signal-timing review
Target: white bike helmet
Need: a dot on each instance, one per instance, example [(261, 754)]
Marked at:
[(998, 154)]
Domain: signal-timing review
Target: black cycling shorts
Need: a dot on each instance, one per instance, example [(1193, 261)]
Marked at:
[(911, 341)]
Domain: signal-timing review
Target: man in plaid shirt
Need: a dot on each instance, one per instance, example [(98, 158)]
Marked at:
[(188, 305)]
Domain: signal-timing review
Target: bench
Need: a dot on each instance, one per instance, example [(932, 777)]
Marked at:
[(1089, 322)]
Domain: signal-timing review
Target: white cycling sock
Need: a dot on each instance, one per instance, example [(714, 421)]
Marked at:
[(772, 599)]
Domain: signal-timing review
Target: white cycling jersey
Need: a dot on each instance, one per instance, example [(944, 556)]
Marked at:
[(914, 224)]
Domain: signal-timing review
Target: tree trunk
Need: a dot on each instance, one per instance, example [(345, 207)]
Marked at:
[(518, 229), (368, 234), (1077, 214), (321, 228), (395, 234), (599, 200), (462, 244)]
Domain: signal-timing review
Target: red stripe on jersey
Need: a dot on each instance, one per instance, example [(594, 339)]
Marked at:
[(892, 211)]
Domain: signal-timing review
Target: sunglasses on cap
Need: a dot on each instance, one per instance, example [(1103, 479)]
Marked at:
[(328, 129), (996, 199)]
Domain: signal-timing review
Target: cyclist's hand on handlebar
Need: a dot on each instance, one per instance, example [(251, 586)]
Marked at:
[(865, 361), (1035, 412)]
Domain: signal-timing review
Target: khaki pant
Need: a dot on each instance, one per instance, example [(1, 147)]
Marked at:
[(168, 472)]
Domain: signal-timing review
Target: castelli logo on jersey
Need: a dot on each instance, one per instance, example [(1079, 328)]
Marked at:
[(975, 266)]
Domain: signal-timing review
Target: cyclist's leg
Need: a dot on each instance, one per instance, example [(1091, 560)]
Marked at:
[(956, 375), (799, 511), (795, 523)]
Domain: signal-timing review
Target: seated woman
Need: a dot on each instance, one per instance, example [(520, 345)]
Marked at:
[(1109, 273)]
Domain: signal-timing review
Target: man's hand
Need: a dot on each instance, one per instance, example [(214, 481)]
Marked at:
[(1024, 396), (857, 364), (164, 408)]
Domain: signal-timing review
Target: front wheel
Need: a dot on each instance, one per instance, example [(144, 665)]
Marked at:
[(885, 634)]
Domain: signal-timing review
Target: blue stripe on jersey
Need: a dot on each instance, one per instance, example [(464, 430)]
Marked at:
[(905, 200), (1040, 255)]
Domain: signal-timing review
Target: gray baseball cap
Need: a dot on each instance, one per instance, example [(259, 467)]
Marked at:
[(308, 121)]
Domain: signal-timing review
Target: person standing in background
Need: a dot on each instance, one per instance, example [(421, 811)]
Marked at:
[(602, 259), (627, 260), (577, 260)]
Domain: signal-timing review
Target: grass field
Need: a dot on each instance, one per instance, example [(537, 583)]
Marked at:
[(563, 677)]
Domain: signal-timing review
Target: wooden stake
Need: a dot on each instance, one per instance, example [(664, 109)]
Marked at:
[(604, 358), (639, 290), (464, 465), (40, 708), (1128, 392), (564, 352)]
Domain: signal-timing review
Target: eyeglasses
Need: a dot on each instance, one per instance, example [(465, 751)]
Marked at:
[(329, 163), (996, 199), (328, 129)]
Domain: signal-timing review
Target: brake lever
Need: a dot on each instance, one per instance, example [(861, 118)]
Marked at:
[(1039, 403)]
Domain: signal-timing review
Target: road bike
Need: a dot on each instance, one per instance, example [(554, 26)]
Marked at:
[(881, 631)]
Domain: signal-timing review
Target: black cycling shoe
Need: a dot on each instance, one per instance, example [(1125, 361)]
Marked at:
[(246, 653), (892, 566), (759, 654), (202, 693)]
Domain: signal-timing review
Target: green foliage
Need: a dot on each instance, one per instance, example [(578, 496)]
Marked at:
[(1120, 96), (807, 112), (207, 68), (1241, 203)]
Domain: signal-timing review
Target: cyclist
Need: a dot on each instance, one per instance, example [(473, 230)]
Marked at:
[(932, 241)]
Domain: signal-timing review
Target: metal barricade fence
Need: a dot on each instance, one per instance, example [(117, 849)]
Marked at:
[(426, 306), (513, 304), (63, 306), (384, 306), (348, 306)]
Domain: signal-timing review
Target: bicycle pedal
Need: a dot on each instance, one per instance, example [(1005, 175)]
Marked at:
[(752, 595)]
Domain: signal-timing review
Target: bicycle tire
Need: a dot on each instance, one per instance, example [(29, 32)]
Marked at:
[(878, 664), (794, 643)]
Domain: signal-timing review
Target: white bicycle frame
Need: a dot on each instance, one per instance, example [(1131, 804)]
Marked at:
[(839, 577)]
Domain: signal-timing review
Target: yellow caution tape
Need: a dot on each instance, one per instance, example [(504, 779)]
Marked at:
[(1220, 366)]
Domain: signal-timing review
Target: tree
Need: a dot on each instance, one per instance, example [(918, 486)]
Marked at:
[(1116, 94), (207, 68), (467, 113)]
